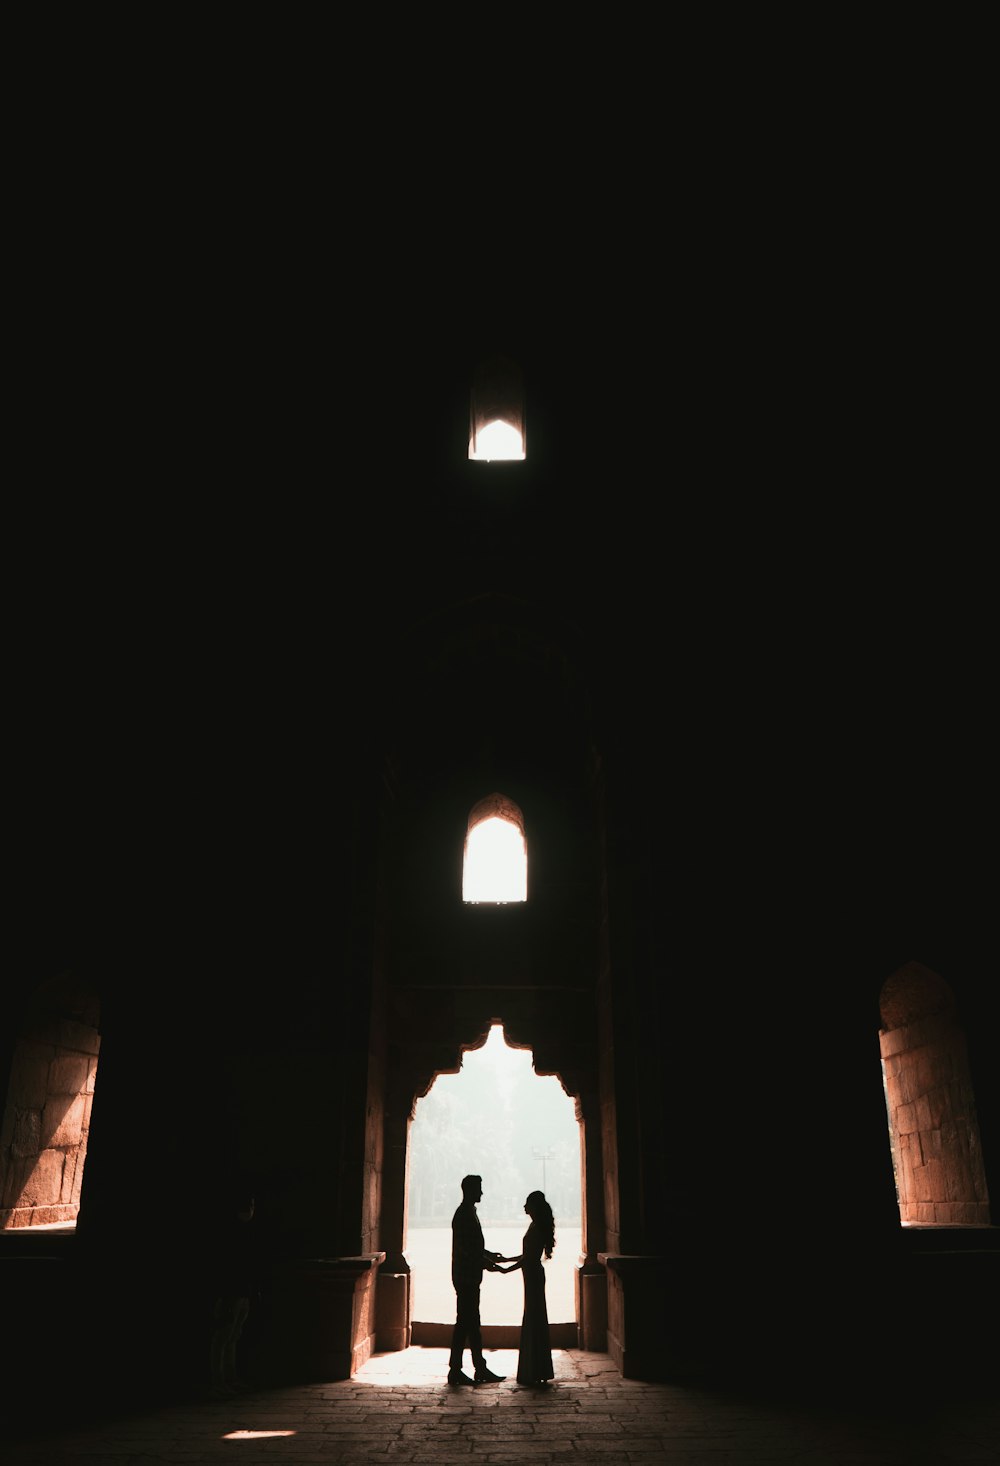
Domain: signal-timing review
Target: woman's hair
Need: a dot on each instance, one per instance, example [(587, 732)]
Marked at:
[(541, 1214)]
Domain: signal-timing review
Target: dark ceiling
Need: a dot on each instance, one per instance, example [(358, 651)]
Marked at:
[(752, 522)]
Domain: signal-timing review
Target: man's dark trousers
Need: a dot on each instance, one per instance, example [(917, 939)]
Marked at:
[(468, 1329)]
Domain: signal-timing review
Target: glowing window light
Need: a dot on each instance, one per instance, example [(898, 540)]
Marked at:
[(497, 441), (496, 853)]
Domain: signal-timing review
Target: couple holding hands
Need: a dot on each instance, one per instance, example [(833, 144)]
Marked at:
[(469, 1260)]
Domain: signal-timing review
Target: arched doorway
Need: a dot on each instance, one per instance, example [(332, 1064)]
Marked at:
[(408, 1082), (520, 1131)]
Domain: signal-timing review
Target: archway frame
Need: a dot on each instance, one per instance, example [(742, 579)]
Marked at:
[(411, 1080)]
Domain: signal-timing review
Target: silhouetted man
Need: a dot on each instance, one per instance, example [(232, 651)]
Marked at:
[(468, 1259)]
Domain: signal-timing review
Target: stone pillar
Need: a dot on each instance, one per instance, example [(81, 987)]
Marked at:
[(591, 1278), (592, 1305), (392, 1309), (393, 1305)]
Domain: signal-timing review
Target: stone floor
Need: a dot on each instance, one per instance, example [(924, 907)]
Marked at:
[(399, 1409)]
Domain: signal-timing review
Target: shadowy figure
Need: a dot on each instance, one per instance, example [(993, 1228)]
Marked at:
[(469, 1258), (235, 1284), (534, 1360)]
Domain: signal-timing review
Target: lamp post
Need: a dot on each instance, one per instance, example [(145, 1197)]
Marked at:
[(544, 1156)]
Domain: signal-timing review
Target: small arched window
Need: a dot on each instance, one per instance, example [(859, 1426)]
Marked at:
[(496, 412), (495, 868)]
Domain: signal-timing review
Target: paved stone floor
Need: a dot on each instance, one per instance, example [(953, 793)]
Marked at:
[(398, 1409)]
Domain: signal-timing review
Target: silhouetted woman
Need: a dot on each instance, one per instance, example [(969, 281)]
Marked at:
[(534, 1362)]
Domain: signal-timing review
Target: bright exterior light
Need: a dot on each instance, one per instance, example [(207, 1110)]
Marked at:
[(497, 440), (496, 863), (496, 412)]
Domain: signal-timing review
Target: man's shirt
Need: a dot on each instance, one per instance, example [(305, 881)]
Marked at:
[(467, 1247)]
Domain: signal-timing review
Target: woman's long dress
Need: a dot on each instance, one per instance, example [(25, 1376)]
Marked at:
[(534, 1362)]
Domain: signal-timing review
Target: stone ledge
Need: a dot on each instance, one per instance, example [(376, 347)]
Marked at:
[(324, 1314), (629, 1264), (356, 1266)]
